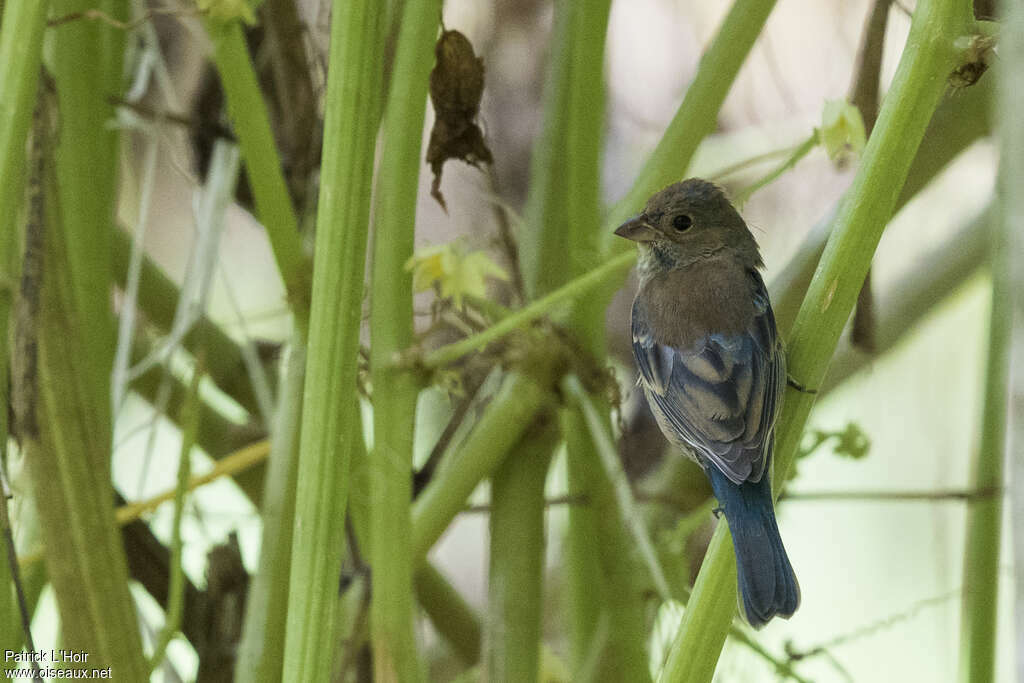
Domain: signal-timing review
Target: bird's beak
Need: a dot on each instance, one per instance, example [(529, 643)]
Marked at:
[(637, 229)]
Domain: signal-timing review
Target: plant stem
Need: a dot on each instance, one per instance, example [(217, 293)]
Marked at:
[(503, 423), (626, 507), (189, 419), (516, 571), (698, 114), (391, 331), (86, 62), (261, 650), (248, 113), (604, 275), (21, 46), (84, 553), (979, 612), (798, 153), (956, 124), (920, 81), (451, 615), (330, 425)]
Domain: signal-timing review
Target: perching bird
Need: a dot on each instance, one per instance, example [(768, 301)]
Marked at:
[(713, 370)]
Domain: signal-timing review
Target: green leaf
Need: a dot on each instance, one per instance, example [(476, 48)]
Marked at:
[(842, 130)]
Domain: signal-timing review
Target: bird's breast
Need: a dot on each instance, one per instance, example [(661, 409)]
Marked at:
[(685, 306)]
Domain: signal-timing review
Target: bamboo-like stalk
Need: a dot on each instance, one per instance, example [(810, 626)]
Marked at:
[(561, 240), (451, 615), (21, 44), (84, 553), (919, 83), (391, 330), (330, 427), (261, 650), (956, 124), (248, 112), (979, 611), (511, 412), (516, 572), (86, 63), (698, 114)]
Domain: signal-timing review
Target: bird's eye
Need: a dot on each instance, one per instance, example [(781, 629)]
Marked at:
[(682, 222)]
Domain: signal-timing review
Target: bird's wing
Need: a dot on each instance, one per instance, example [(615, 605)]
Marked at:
[(722, 396)]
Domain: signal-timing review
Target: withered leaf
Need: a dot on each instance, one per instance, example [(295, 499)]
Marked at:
[(456, 86)]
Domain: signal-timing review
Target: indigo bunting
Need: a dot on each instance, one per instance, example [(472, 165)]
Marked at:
[(713, 370)]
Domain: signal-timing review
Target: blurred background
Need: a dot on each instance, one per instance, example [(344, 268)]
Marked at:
[(881, 577)]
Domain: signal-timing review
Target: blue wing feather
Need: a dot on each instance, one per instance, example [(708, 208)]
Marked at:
[(720, 397)]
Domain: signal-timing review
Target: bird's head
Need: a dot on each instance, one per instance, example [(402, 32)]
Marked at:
[(690, 221)]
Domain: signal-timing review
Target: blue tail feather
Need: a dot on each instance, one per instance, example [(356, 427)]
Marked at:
[(767, 584)]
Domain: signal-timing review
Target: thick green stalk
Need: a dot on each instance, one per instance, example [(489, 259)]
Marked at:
[(391, 330), (584, 613), (86, 61), (698, 114), (516, 571), (934, 277), (920, 81), (261, 651), (956, 124), (248, 112), (563, 212), (451, 615), (561, 240), (21, 46), (84, 552), (979, 611), (511, 412), (329, 418)]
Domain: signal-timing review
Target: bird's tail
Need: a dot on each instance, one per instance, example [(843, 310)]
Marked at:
[(768, 586)]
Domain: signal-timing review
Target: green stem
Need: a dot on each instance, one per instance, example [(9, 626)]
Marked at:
[(21, 46), (503, 423), (956, 124), (978, 635), (189, 419), (391, 331), (261, 650), (330, 425), (84, 552), (919, 83), (451, 615), (615, 651), (565, 174), (516, 569), (799, 153), (609, 456), (248, 113), (603, 276), (698, 114), (933, 278), (86, 61)]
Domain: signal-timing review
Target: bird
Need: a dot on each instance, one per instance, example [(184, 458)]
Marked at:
[(713, 370)]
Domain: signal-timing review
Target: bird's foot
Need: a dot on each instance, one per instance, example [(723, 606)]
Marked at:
[(718, 512), (791, 381)]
